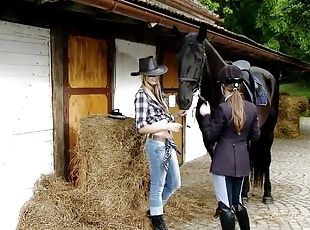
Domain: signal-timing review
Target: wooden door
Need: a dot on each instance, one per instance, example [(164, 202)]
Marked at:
[(88, 86), (170, 86)]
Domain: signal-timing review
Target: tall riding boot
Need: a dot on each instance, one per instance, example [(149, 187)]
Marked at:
[(242, 216), (158, 222), (227, 217)]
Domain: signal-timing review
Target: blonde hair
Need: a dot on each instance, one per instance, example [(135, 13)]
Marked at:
[(237, 106), (156, 90)]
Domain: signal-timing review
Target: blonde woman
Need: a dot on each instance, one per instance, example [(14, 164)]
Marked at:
[(235, 122), (154, 120)]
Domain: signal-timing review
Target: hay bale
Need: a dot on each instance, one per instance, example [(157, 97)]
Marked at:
[(111, 178), (111, 185), (50, 207), (290, 110), (116, 170)]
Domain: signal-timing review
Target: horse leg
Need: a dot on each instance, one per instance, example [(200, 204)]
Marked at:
[(245, 189), (267, 198)]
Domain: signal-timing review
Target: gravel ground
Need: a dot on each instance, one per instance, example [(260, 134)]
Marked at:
[(290, 176)]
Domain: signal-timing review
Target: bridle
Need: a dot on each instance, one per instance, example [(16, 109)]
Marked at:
[(197, 81)]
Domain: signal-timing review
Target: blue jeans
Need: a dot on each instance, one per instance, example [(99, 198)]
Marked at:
[(163, 183)]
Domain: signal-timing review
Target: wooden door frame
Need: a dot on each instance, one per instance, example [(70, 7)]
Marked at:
[(62, 92)]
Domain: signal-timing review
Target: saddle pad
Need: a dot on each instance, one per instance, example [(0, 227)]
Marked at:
[(260, 93)]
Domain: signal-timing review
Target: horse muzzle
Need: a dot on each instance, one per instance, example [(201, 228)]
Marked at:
[(184, 103)]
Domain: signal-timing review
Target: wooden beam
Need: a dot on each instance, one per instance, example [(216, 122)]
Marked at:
[(60, 156)]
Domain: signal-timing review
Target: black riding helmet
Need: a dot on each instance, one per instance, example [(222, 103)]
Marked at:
[(230, 74)]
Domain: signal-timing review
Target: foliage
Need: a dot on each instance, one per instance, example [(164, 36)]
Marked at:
[(242, 18), (306, 113), (295, 89), (285, 26), (282, 25), (212, 6)]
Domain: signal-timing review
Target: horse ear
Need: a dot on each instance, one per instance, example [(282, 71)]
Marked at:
[(177, 33), (202, 34)]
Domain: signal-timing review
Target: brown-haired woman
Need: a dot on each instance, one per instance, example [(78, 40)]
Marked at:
[(234, 124)]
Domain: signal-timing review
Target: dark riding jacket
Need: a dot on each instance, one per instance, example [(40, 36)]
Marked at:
[(231, 156)]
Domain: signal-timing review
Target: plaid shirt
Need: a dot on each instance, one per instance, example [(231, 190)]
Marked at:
[(148, 111)]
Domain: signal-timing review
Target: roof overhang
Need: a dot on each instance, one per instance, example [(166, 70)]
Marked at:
[(186, 21), (188, 24)]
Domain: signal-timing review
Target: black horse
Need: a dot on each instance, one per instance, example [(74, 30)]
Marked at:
[(198, 67)]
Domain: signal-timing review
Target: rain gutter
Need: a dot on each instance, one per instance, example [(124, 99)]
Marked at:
[(135, 11), (138, 12)]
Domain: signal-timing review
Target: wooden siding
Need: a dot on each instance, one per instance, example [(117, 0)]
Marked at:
[(26, 115)]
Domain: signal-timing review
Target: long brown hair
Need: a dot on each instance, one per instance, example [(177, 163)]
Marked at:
[(237, 106), (156, 90)]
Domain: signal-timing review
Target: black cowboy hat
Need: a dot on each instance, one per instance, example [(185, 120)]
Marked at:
[(149, 67), (230, 74)]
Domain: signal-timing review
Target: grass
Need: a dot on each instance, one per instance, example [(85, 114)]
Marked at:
[(295, 89)]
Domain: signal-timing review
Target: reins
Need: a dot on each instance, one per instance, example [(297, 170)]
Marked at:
[(197, 81)]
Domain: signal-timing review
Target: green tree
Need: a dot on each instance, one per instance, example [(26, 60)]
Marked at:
[(282, 25), (285, 26)]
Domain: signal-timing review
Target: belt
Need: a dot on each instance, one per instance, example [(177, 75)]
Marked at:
[(157, 138)]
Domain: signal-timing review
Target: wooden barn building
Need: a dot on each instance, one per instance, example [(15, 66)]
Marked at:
[(61, 60)]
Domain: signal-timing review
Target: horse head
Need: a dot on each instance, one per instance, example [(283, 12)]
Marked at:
[(192, 62), (194, 58)]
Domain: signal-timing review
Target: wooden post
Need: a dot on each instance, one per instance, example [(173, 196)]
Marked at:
[(57, 68)]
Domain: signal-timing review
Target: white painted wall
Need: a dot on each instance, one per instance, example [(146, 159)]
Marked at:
[(194, 146), (26, 124), (127, 61)]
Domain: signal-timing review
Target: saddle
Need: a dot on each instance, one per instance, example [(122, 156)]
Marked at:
[(256, 90)]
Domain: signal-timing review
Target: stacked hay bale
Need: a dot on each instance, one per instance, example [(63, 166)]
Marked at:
[(112, 166), (290, 110), (111, 186), (112, 183)]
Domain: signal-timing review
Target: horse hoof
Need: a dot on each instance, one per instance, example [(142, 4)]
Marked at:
[(267, 200), (245, 199)]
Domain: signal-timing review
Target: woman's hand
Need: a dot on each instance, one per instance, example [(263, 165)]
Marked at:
[(205, 109), (174, 127), (180, 113)]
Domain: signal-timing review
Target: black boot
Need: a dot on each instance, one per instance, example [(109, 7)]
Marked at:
[(242, 216), (227, 217), (158, 222)]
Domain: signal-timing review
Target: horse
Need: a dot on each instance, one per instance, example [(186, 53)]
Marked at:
[(198, 67)]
